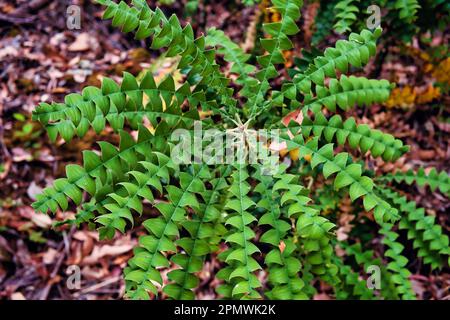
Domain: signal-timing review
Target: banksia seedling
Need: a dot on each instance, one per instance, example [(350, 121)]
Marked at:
[(257, 218)]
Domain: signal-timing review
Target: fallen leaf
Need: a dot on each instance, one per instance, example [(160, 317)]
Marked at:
[(33, 190), (20, 155), (41, 220), (49, 256), (107, 250), (17, 296), (282, 246), (83, 42)]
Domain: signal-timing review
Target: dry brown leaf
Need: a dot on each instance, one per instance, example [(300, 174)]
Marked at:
[(33, 190), (106, 250), (49, 256), (282, 246), (41, 220), (83, 42), (17, 296)]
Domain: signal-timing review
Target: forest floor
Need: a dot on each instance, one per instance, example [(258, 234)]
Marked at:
[(42, 60)]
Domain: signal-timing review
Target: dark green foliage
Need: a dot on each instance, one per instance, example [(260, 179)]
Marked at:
[(431, 243), (402, 18)]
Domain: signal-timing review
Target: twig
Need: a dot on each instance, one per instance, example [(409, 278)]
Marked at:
[(17, 20), (22, 14), (29, 7), (63, 245), (99, 285)]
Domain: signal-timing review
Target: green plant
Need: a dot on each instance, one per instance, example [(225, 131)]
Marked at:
[(428, 238), (407, 9), (434, 179), (252, 222), (346, 15), (402, 19)]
